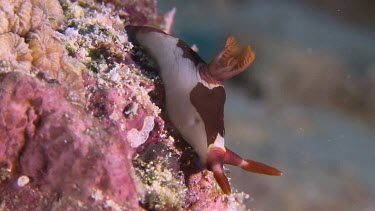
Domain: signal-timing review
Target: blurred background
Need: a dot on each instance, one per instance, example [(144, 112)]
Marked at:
[(307, 103)]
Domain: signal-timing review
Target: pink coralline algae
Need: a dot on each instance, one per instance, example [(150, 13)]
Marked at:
[(82, 125), (64, 151)]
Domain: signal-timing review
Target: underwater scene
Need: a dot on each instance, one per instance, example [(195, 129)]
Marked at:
[(307, 103), (183, 105)]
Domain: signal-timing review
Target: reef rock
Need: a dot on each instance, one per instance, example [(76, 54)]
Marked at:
[(82, 125), (64, 152)]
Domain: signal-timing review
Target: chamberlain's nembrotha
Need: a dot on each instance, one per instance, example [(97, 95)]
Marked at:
[(195, 96)]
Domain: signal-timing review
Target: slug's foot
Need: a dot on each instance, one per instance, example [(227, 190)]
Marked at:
[(218, 156)]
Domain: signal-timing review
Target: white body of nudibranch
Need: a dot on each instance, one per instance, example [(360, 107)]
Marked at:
[(195, 96), (180, 75)]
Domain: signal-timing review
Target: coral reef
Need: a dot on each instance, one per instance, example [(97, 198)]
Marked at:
[(35, 22), (81, 123)]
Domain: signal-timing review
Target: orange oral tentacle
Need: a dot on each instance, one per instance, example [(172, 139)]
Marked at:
[(215, 164), (260, 168), (221, 179), (218, 156), (249, 165)]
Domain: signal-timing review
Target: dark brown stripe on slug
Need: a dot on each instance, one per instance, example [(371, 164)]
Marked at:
[(210, 106), (189, 53)]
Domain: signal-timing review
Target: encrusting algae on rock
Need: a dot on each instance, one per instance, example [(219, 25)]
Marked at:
[(79, 123)]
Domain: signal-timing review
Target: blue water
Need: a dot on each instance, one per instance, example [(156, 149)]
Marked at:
[(319, 150), (327, 155)]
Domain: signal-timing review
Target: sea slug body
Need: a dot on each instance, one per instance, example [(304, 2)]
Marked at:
[(195, 96)]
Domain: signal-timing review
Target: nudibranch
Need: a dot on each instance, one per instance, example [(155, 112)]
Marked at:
[(195, 96)]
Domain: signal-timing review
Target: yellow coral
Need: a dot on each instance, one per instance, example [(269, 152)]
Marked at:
[(47, 50), (21, 16), (15, 52), (4, 23), (50, 56), (70, 77), (53, 10), (38, 18), (18, 15)]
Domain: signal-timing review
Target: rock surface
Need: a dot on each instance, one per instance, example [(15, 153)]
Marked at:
[(80, 128)]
